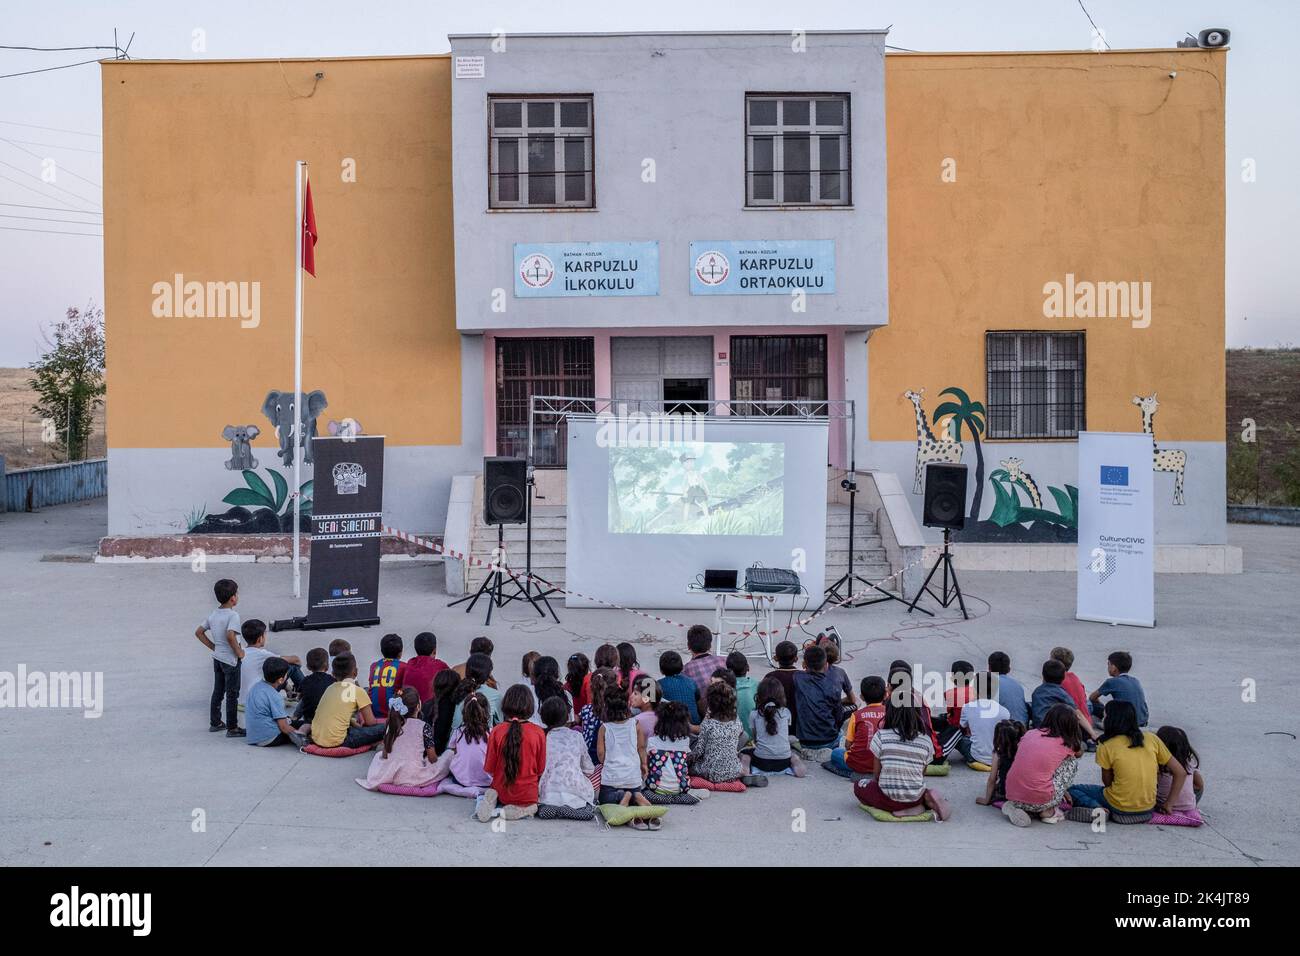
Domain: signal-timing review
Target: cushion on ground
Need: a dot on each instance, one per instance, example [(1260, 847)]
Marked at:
[(884, 816), (981, 767), (429, 790), (336, 751), (731, 786), (938, 769), (616, 816)]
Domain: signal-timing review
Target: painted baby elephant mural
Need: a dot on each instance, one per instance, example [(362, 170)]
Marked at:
[(241, 449), (293, 429)]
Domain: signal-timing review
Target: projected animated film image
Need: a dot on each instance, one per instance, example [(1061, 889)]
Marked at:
[(697, 488)]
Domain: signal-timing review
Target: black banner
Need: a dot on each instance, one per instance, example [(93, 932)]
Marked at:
[(347, 506)]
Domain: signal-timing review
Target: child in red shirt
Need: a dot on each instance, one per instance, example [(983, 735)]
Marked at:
[(516, 757), (1073, 686), (420, 671), (855, 758)]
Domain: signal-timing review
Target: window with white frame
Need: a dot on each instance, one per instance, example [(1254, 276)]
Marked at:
[(1035, 384), (797, 149), (540, 152)]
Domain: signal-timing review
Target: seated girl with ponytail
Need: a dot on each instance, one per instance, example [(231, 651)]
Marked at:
[(516, 757), (478, 679), (401, 759), (460, 764), (769, 728), (546, 684)]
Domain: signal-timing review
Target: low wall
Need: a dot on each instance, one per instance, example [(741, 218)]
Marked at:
[(28, 489)]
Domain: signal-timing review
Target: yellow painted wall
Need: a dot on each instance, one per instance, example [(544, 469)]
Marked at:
[(198, 179), (1095, 164)]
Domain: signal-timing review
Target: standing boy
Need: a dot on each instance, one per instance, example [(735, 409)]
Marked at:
[(219, 633)]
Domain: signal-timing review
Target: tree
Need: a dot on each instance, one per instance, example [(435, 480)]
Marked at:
[(971, 414), (69, 378)]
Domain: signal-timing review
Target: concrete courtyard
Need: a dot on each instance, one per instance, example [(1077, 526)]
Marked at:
[(145, 784)]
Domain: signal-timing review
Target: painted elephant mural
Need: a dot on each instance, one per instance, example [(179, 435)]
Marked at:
[(293, 428), (241, 448)]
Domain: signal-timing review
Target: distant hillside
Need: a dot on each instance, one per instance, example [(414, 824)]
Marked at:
[(1264, 386), (20, 427)]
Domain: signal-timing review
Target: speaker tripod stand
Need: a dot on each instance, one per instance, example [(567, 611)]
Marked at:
[(951, 589), (500, 586)]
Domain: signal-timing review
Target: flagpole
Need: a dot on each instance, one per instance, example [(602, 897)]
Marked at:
[(300, 170)]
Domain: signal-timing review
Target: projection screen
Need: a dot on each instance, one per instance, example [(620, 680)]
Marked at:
[(649, 509)]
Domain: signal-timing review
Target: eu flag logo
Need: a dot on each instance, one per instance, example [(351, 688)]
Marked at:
[(1114, 475)]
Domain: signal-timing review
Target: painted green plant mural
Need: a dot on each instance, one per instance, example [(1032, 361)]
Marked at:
[(256, 494), (1008, 509)]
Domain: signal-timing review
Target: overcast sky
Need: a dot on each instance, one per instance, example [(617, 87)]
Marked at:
[(42, 273)]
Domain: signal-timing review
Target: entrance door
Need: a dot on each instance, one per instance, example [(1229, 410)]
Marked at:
[(669, 368)]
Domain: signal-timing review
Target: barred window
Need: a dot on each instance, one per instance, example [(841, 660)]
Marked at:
[(776, 368), (528, 367), (797, 149), (1035, 384), (540, 152)]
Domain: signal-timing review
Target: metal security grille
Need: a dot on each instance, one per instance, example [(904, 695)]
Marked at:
[(528, 367), (797, 150), (540, 152), (777, 368), (1035, 384)]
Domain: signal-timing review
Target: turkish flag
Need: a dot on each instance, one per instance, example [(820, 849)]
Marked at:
[(309, 235)]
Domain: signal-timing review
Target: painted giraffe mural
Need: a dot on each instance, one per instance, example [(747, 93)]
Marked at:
[(1162, 459), (1023, 478), (928, 447)]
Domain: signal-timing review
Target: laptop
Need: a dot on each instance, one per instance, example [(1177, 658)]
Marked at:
[(715, 580)]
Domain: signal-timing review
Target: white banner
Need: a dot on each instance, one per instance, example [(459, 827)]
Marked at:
[(1116, 574)]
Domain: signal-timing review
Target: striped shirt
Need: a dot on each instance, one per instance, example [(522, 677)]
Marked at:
[(902, 764)]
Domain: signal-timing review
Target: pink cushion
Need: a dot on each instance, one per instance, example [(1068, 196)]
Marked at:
[(1178, 818), (731, 786), (336, 751), (430, 790)]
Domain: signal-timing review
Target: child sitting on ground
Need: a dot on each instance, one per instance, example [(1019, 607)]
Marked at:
[(962, 676), (1011, 694), (338, 646), (268, 724), (1120, 685), (1073, 686), (219, 633), (715, 754), (1179, 808), (1006, 740), (674, 685), (1052, 692), (980, 716), (480, 645), (746, 687), (1130, 761), (578, 681), (313, 686), (703, 662), (546, 684), (344, 717), (383, 673), (837, 675), (256, 654), (628, 668), (621, 750), (478, 679), (438, 733), (565, 791), (855, 757), (668, 748), (422, 669), (902, 751), (1046, 760), (769, 728), (460, 762), (821, 711), (401, 760), (516, 757), (593, 715), (644, 701)]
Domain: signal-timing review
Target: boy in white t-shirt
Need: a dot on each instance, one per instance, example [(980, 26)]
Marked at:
[(219, 633), (979, 716), (255, 655)]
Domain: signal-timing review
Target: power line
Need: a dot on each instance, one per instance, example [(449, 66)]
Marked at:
[(50, 185), (48, 69), (68, 222), (42, 158), (50, 129), (1096, 31), (75, 149), (61, 49), (54, 232), (23, 205), (68, 205)]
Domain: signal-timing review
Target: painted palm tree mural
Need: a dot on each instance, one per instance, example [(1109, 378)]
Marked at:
[(1019, 512)]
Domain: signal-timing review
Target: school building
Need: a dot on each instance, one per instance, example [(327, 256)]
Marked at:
[(986, 252)]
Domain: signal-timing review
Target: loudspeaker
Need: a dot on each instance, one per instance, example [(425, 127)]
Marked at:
[(505, 490), (1213, 38), (945, 497)]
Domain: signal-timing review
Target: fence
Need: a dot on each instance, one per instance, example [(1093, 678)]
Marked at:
[(30, 488), (27, 441)]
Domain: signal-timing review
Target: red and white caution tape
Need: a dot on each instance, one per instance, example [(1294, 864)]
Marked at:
[(523, 578)]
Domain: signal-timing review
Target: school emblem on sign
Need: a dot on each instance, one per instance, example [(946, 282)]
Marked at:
[(712, 267), (537, 270), (348, 477)]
